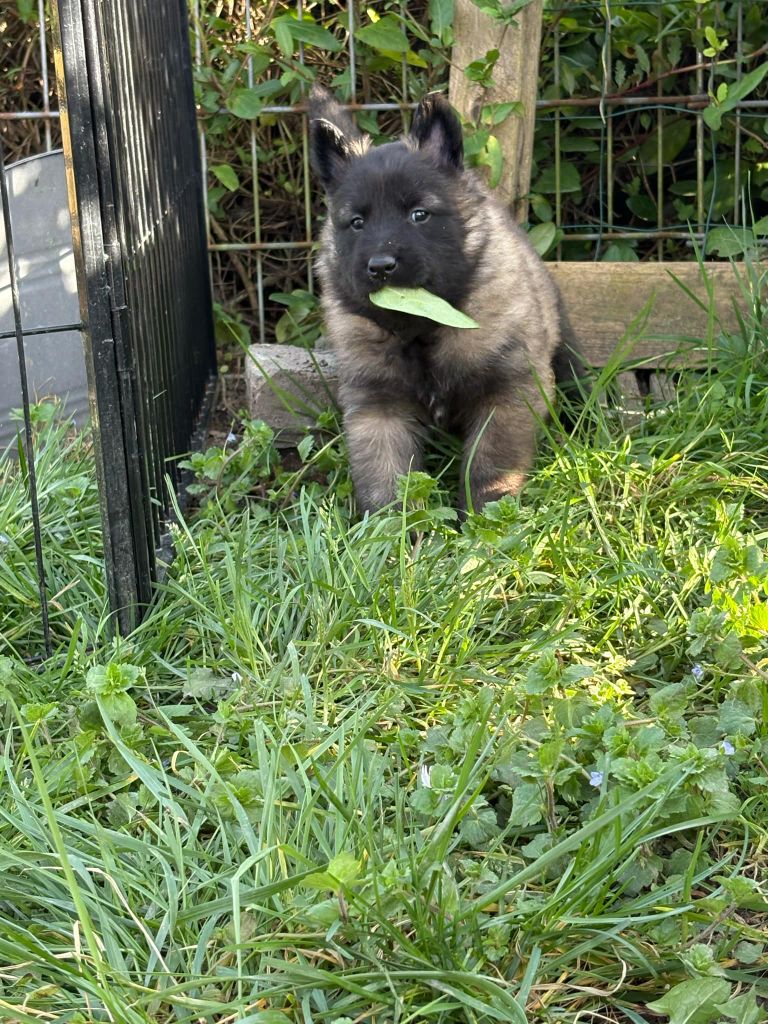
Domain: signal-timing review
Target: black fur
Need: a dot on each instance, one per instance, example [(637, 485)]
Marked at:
[(384, 189)]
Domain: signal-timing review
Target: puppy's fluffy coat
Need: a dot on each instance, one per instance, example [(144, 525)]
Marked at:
[(408, 214)]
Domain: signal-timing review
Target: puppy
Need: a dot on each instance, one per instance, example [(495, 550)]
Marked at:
[(408, 214)]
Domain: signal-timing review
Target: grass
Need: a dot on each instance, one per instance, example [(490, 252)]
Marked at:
[(69, 510), (516, 772)]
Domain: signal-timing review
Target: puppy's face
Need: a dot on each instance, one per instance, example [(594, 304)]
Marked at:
[(394, 208)]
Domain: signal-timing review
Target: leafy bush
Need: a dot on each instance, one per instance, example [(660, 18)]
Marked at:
[(403, 51), (665, 50)]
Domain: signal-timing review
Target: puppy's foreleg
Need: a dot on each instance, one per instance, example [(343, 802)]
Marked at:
[(499, 448), (384, 443)]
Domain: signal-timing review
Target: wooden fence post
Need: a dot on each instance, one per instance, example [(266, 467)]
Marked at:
[(515, 77)]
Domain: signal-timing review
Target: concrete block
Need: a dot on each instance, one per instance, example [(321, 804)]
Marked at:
[(287, 386), (55, 364)]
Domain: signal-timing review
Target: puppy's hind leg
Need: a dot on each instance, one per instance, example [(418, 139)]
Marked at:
[(384, 443)]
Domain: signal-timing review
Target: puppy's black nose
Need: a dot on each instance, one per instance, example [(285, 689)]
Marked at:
[(380, 267)]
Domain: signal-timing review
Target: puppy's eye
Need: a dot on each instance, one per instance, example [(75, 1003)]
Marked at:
[(419, 216), (357, 223)]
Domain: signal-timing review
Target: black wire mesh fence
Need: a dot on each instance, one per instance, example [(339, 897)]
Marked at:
[(134, 185), (19, 335), (125, 84)]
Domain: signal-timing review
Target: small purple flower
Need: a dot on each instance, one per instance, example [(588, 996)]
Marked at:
[(231, 438), (698, 673), (727, 748), (596, 779)]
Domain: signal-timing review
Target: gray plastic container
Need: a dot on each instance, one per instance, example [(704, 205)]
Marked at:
[(42, 237)]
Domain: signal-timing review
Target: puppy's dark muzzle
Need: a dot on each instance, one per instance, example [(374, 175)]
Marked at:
[(381, 267)]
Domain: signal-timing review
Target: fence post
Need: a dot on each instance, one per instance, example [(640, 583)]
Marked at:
[(515, 77)]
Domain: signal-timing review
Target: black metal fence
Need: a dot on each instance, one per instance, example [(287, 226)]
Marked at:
[(138, 224)]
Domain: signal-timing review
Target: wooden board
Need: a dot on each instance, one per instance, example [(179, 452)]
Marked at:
[(641, 309), (515, 77), (632, 400)]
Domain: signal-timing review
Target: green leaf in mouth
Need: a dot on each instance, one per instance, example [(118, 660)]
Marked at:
[(420, 302)]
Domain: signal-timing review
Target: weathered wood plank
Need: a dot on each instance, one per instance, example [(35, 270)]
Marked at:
[(515, 77), (631, 397), (643, 304), (662, 387)]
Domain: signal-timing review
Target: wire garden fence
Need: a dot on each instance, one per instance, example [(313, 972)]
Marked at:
[(649, 135), (134, 176), (659, 143)]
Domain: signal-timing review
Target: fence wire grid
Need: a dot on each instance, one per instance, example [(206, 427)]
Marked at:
[(624, 128), (257, 252)]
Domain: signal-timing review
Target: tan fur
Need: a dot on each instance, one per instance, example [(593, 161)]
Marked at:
[(383, 445), (514, 297), (492, 384), (514, 292), (499, 448)]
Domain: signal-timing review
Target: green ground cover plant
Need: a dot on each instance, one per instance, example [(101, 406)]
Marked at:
[(401, 769)]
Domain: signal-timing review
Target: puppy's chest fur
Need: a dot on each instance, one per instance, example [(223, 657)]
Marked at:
[(416, 366), (420, 368)]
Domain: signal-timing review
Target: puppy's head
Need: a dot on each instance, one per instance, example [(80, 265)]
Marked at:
[(395, 208)]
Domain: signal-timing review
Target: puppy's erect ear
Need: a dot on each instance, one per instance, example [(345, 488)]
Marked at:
[(333, 138), (436, 130)]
